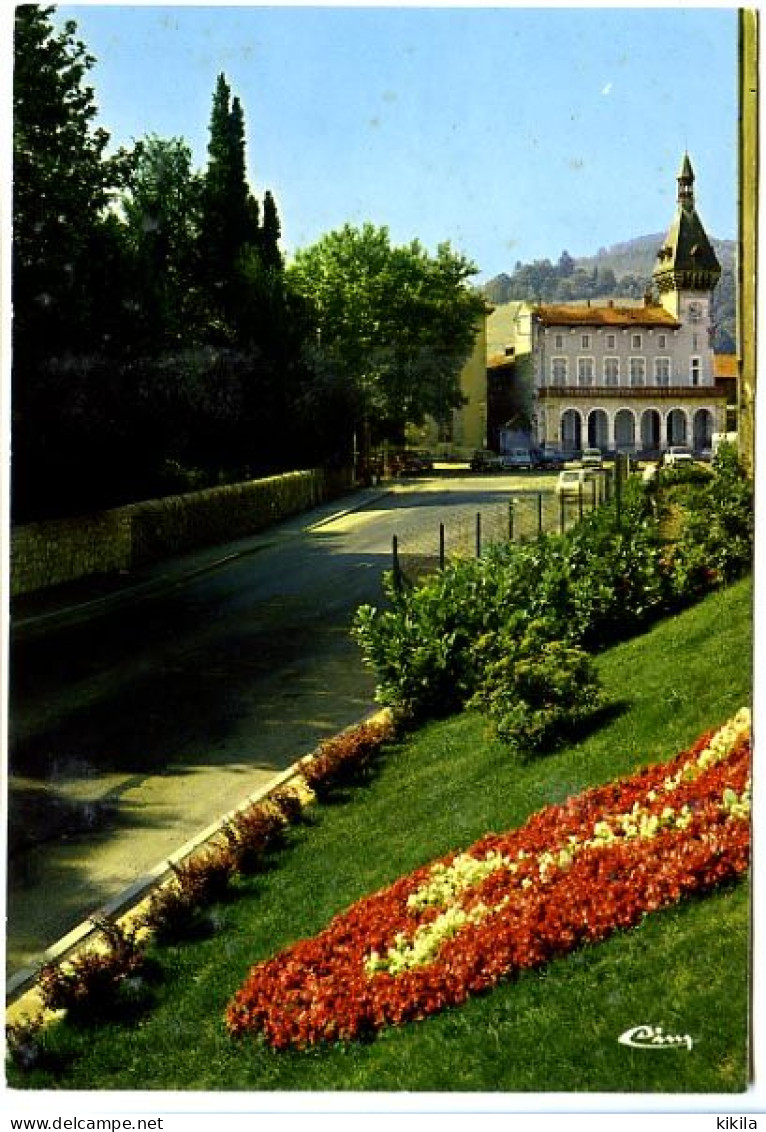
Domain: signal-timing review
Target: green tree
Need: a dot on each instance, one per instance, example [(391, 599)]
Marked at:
[(161, 213), (229, 223), (270, 234), (62, 185), (69, 259), (394, 325), (566, 265)]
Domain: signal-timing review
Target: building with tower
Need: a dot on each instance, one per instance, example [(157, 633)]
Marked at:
[(633, 376)]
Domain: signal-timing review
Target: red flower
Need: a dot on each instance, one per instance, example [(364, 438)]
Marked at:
[(321, 990)]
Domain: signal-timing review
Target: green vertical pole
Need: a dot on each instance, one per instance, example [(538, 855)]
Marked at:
[(397, 567)]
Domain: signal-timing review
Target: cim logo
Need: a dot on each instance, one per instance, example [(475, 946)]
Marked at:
[(652, 1037)]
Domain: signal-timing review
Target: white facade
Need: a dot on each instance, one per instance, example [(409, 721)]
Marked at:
[(625, 378)]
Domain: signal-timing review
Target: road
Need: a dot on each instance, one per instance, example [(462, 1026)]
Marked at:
[(133, 729)]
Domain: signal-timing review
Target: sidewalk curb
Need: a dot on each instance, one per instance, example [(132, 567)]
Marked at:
[(24, 981)]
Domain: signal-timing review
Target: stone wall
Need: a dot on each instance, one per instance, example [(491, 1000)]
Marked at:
[(48, 554)]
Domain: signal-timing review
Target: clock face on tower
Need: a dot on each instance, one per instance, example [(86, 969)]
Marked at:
[(696, 311)]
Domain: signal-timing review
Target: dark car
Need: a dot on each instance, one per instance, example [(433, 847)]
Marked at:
[(483, 460), (521, 459), (416, 460), (551, 458)]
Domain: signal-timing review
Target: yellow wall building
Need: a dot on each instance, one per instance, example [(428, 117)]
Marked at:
[(465, 428)]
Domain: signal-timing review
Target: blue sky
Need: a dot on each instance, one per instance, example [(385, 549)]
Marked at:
[(511, 132)]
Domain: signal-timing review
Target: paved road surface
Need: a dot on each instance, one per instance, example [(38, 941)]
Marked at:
[(133, 729)]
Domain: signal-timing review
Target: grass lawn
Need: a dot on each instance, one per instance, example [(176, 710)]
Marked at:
[(684, 969)]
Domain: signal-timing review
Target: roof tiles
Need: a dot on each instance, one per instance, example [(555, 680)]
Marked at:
[(566, 315)]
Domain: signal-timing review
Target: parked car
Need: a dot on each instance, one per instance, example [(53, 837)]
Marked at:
[(550, 458), (519, 459), (416, 460), (573, 481), (677, 455), (592, 458), (483, 460)]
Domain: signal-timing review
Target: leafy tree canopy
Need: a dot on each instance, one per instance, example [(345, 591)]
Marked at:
[(63, 182), (161, 212), (394, 323)]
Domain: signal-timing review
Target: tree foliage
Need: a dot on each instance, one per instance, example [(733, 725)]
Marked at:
[(161, 213), (159, 342), (154, 343), (394, 325), (63, 183)]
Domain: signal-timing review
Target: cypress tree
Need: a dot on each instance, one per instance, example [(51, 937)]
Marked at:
[(270, 234), (230, 216)]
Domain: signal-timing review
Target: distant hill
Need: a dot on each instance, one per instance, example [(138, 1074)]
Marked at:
[(621, 271), (636, 257)]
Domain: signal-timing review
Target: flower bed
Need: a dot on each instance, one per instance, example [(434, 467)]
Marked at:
[(572, 874)]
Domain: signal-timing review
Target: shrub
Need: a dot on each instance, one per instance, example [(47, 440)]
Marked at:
[(715, 544), (288, 801), (617, 578), (536, 691), (24, 1045), (253, 833), (176, 910), (339, 760), (684, 474), (205, 877), (420, 646), (91, 982), (604, 580)]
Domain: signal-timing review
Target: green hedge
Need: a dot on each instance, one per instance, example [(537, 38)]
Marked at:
[(439, 644)]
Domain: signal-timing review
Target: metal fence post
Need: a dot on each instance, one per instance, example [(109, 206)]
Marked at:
[(441, 546), (510, 520), (562, 523), (478, 534), (396, 566), (539, 512)]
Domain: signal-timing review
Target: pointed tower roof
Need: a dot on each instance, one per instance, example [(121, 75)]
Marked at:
[(686, 261)]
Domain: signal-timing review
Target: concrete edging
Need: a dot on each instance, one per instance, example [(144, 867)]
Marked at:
[(24, 982)]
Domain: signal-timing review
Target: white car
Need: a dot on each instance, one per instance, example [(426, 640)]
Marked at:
[(573, 481), (677, 454), (592, 458)]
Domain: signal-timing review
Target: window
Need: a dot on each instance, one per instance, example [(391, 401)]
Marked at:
[(611, 342), (662, 371), (586, 341), (635, 342), (662, 342), (558, 371), (638, 371), (559, 341), (695, 342), (585, 371), (611, 371), (695, 371)]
